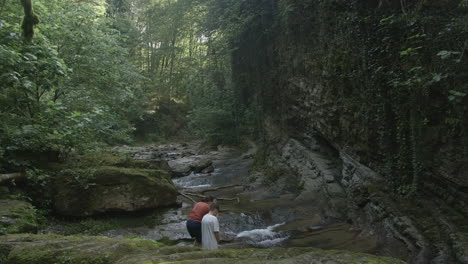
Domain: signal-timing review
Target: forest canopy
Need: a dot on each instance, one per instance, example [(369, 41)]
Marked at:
[(110, 72)]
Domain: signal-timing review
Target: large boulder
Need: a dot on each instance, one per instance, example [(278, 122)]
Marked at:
[(40, 249), (17, 217), (110, 189)]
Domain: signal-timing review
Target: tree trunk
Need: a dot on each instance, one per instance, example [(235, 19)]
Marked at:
[(29, 21), (11, 177)]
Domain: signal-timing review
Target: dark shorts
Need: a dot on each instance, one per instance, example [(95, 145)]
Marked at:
[(194, 229)]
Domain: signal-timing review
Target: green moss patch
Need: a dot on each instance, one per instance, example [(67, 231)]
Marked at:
[(18, 217), (41, 249), (97, 225)]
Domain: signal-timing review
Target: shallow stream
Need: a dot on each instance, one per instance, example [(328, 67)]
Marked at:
[(259, 218)]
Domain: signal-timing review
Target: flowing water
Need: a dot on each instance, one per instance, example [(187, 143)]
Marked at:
[(266, 237), (239, 228)]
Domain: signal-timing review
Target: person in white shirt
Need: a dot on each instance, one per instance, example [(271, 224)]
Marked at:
[(210, 228)]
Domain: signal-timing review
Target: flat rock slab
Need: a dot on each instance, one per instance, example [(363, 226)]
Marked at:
[(39, 249)]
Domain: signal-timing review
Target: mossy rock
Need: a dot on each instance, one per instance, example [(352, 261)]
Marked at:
[(41, 249), (108, 189), (18, 217), (47, 249), (272, 255)]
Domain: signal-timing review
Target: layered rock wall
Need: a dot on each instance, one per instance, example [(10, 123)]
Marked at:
[(367, 102)]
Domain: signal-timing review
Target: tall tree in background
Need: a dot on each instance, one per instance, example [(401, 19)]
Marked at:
[(29, 21)]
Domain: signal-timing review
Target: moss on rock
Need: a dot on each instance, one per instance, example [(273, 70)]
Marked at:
[(41, 249), (117, 160), (18, 217), (112, 189), (272, 255)]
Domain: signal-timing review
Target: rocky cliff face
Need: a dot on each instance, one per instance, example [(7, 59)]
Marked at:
[(367, 102), (386, 83), (422, 229)]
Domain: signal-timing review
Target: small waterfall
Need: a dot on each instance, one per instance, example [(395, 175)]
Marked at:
[(194, 180), (264, 237)]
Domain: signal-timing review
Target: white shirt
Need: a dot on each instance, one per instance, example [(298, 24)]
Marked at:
[(209, 225)]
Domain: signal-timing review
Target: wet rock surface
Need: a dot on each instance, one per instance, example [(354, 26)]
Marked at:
[(262, 217), (182, 158), (421, 229)]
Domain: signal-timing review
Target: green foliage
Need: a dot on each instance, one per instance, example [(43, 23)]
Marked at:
[(38, 188), (425, 72), (167, 120), (185, 55), (53, 132), (71, 89), (26, 221), (89, 227), (29, 72), (97, 70)]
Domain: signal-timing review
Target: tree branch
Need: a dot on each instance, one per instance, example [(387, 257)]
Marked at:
[(187, 195), (202, 191)]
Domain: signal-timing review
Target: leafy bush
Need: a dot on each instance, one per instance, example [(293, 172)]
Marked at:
[(218, 126)]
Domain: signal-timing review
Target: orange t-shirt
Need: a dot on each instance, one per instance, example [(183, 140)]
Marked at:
[(199, 210)]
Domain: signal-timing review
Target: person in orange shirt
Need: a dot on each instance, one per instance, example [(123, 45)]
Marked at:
[(199, 210)]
